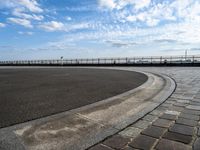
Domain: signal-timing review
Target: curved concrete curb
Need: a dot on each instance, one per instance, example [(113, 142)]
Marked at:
[(86, 126)]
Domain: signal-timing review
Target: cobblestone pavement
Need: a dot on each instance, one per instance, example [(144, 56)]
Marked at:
[(174, 125)]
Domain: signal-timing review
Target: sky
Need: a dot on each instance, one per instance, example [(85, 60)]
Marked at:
[(49, 29)]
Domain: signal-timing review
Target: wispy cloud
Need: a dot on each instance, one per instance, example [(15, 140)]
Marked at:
[(120, 4), (152, 13), (25, 33), (182, 49), (31, 5), (59, 26), (165, 41), (195, 49), (23, 22), (118, 43), (52, 26), (19, 12), (110, 4), (2, 25), (23, 11)]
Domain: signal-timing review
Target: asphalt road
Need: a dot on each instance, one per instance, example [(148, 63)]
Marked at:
[(31, 93)]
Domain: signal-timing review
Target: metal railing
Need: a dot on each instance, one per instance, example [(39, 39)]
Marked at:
[(154, 60)]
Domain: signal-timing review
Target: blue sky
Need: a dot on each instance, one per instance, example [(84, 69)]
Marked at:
[(49, 29)]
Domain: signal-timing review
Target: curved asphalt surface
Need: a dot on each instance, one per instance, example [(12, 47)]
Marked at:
[(31, 93)]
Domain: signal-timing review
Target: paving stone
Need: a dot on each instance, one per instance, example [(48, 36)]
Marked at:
[(143, 142), (156, 113), (172, 112), (170, 101), (187, 122), (180, 104), (195, 107), (150, 118), (100, 147), (142, 124), (166, 105), (161, 108), (178, 137), (198, 133), (176, 108), (129, 148), (182, 129), (196, 145), (117, 142), (168, 116), (195, 103), (190, 111), (130, 132), (188, 116), (183, 101), (163, 123), (165, 144), (177, 96), (154, 131), (188, 97), (189, 94), (195, 100)]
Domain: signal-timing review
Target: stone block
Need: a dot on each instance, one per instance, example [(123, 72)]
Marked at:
[(178, 137), (187, 122), (165, 144), (143, 142), (117, 142), (168, 116), (130, 132), (154, 131), (163, 123), (100, 147), (182, 129)]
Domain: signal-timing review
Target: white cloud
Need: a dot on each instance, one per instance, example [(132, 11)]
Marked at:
[(155, 12), (31, 5), (68, 18), (23, 11), (2, 25), (139, 4), (77, 26), (23, 22), (25, 33), (52, 26), (131, 18), (119, 43), (152, 22), (110, 4), (19, 13), (120, 4), (187, 10), (59, 26)]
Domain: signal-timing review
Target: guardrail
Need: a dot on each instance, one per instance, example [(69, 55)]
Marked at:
[(156, 60)]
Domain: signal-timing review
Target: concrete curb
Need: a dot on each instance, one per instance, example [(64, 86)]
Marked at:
[(83, 127)]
